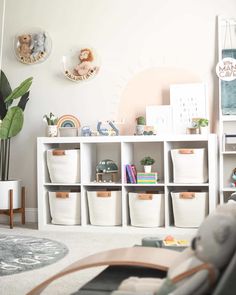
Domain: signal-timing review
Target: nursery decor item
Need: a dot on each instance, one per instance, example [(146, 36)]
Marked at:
[(32, 46), (147, 177), (106, 167), (81, 64), (141, 122), (233, 176), (24, 253), (105, 131), (201, 124), (68, 125), (160, 116), (147, 162), (51, 121), (188, 101)]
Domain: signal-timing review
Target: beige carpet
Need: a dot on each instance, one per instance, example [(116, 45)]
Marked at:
[(79, 244)]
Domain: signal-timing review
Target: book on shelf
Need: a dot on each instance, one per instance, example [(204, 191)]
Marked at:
[(147, 178), (130, 173)]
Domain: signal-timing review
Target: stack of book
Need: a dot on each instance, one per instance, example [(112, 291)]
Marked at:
[(147, 178), (131, 174)]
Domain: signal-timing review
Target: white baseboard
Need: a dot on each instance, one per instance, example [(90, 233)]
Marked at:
[(31, 215)]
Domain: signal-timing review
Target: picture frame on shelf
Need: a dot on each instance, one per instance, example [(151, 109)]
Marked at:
[(188, 101), (160, 117)]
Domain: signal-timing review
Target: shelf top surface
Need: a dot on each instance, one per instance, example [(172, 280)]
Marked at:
[(127, 138)]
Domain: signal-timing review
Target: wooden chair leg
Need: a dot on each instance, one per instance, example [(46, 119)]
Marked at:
[(23, 205), (11, 214)]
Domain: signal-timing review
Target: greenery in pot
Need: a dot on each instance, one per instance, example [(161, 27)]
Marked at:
[(147, 161), (11, 117), (141, 121), (200, 122)]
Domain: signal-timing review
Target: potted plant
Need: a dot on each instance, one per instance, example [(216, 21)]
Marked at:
[(202, 124), (147, 162), (11, 123), (51, 121), (141, 122)]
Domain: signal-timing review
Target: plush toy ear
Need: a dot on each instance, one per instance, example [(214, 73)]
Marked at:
[(222, 232)]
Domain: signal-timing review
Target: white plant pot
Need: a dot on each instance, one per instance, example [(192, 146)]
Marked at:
[(139, 129), (204, 130), (5, 187), (148, 168), (52, 130)]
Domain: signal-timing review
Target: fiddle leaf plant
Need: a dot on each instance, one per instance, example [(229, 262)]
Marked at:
[(11, 117)]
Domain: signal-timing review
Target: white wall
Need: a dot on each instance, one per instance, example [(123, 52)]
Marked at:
[(127, 34)]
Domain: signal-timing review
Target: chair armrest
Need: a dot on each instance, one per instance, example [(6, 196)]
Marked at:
[(156, 258)]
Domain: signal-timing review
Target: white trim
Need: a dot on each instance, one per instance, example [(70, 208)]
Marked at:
[(31, 215), (2, 31)]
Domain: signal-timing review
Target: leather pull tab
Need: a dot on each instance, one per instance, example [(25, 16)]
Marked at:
[(145, 196), (58, 152), (103, 194), (62, 195), (186, 151), (187, 195)]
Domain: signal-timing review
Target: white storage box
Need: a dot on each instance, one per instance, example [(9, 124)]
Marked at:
[(104, 207), (189, 165), (65, 207), (146, 210), (63, 165), (189, 208)]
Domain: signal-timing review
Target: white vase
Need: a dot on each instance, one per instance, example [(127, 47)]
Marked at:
[(148, 168), (52, 130), (5, 187), (204, 130), (139, 129)]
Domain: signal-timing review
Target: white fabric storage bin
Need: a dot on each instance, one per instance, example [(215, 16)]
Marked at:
[(189, 165), (104, 207), (64, 165), (146, 210), (65, 207), (189, 208)]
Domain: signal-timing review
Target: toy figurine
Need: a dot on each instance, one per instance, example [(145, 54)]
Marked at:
[(104, 131), (233, 184)]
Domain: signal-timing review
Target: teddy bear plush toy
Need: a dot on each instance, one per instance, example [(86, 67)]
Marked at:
[(86, 58), (25, 45), (196, 270), (38, 42)]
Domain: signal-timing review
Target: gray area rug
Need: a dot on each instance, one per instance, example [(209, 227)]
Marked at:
[(23, 253)]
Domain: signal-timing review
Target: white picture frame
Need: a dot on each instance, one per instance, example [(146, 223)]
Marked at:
[(188, 101), (160, 116)]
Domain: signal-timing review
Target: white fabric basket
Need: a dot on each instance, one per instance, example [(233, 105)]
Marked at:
[(63, 165), (189, 208), (146, 210), (104, 207), (189, 165), (65, 207)]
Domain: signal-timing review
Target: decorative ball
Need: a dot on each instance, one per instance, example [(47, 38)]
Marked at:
[(106, 166)]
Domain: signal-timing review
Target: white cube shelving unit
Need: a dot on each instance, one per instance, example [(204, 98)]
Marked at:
[(124, 150)]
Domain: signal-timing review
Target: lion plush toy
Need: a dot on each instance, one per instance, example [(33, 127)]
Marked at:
[(86, 58), (25, 45), (197, 269)]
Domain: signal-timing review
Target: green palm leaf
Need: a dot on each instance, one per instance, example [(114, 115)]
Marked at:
[(20, 90), (12, 123)]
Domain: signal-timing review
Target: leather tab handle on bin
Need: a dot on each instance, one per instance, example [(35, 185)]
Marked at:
[(103, 194), (186, 151), (186, 195), (145, 196), (58, 152), (62, 195)]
